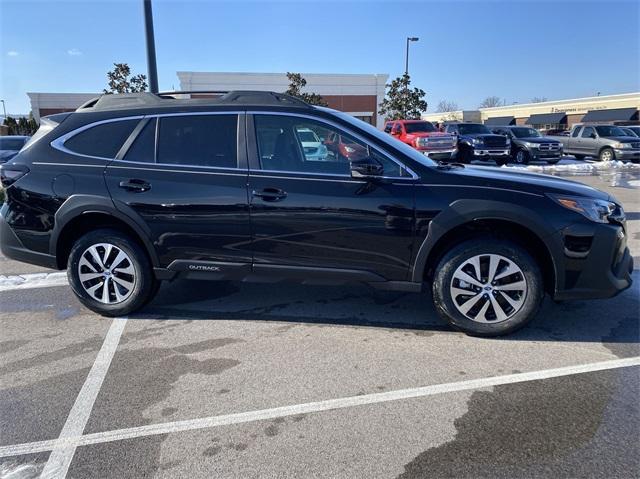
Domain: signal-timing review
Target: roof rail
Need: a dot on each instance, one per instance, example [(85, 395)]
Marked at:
[(146, 99), (167, 94)]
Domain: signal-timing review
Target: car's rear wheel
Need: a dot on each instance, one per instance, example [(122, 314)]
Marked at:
[(110, 273), (487, 287), (522, 157), (607, 154)]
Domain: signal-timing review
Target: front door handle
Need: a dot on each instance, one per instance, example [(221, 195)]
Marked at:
[(270, 194), (135, 185)]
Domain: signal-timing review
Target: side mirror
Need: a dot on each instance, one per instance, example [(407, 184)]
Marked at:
[(366, 168), (593, 135)]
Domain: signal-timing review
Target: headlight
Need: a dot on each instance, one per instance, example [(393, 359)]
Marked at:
[(595, 210), (422, 141), (622, 145), (348, 149), (477, 141), (531, 145), (508, 142)]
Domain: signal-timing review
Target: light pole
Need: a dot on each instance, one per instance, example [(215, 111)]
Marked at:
[(151, 47), (406, 72), (406, 60)]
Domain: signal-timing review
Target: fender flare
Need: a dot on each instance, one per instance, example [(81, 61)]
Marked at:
[(77, 205), (467, 211)]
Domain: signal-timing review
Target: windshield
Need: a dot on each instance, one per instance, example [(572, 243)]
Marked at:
[(607, 131), (13, 144), (419, 126), (525, 133), (383, 137), (307, 136), (472, 129)]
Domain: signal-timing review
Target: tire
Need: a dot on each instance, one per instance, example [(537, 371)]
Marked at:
[(521, 157), (464, 155), (553, 162), (111, 257), (607, 154), (481, 320)]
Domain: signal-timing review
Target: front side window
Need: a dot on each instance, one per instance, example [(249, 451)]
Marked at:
[(576, 132), (588, 132), (293, 144), (103, 140), (199, 140)]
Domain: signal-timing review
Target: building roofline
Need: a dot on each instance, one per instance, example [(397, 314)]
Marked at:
[(567, 100)]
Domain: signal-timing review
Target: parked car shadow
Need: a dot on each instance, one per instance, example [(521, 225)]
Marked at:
[(611, 321)]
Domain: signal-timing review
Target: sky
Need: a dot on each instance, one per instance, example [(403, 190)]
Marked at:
[(468, 50)]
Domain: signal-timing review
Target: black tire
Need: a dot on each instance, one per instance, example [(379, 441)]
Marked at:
[(145, 286), (553, 162), (444, 302), (521, 157), (465, 155), (607, 154)]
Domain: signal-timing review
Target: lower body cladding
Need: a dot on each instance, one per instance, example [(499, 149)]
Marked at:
[(273, 273), (596, 262)]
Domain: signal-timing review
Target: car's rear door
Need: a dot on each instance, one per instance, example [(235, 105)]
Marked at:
[(311, 218), (185, 176)]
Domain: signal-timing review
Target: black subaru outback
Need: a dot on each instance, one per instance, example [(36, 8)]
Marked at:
[(130, 190)]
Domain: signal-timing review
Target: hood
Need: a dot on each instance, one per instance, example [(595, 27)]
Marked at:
[(516, 179), (537, 139), (482, 135)]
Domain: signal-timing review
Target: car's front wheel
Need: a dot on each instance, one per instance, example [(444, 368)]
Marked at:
[(522, 157), (487, 287), (607, 154), (110, 273)]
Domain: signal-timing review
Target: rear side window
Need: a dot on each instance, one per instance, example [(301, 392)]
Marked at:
[(199, 140), (104, 140), (143, 148)]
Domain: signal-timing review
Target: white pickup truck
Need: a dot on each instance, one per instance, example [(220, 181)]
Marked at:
[(605, 142)]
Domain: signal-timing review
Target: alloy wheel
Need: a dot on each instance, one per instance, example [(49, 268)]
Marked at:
[(488, 288), (106, 273)]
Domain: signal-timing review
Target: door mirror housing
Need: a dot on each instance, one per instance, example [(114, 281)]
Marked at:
[(366, 169), (593, 136)]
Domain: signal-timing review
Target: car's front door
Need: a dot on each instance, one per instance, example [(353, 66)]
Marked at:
[(588, 141), (189, 188), (311, 214)]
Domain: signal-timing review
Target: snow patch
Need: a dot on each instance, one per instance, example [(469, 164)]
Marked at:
[(579, 167)]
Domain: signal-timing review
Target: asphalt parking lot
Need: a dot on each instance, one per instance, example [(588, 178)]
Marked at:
[(248, 380)]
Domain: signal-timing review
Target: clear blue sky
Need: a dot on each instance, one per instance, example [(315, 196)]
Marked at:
[(467, 50)]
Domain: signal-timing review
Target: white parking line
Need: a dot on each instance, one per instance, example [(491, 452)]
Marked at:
[(33, 280), (306, 408), (63, 451)]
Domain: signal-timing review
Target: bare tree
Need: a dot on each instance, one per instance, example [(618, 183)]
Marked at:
[(446, 106), (538, 99), (492, 101)]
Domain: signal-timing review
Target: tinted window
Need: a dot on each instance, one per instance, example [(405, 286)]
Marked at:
[(199, 140), (143, 148), (282, 148), (472, 129), (608, 131), (387, 127), (526, 132), (13, 144), (102, 140), (587, 132)]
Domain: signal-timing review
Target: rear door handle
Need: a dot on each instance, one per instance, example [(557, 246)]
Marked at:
[(135, 185), (270, 194)]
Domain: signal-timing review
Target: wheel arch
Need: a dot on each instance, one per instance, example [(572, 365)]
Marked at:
[(447, 232), (83, 213)]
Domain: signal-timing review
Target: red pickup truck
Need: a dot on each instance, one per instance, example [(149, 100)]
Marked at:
[(424, 137)]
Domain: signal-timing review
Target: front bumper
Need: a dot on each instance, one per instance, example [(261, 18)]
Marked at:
[(12, 247), (545, 155), (439, 154), (492, 152), (601, 269), (627, 154)]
